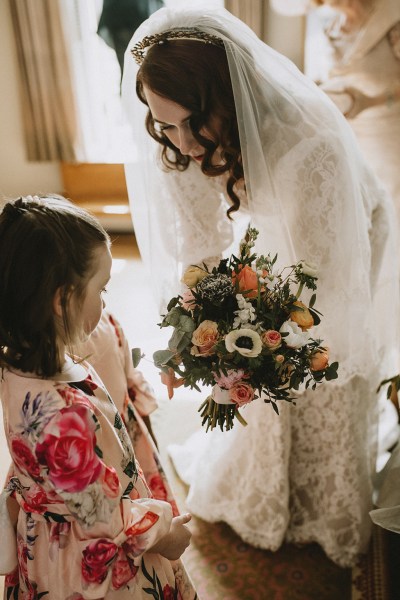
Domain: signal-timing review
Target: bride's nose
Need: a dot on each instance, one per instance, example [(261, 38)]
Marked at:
[(187, 141)]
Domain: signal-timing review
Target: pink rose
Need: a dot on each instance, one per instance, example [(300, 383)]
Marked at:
[(35, 500), (97, 557), (204, 338), (111, 485), (68, 449), (227, 381), (188, 301), (123, 570), (157, 487), (72, 396), (24, 458), (168, 592), (12, 579), (271, 339), (241, 393)]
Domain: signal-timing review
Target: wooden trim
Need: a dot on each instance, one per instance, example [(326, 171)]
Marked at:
[(100, 188)]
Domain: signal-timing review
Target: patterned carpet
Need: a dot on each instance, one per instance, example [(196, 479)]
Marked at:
[(224, 568)]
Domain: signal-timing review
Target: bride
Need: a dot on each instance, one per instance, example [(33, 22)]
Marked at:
[(229, 131)]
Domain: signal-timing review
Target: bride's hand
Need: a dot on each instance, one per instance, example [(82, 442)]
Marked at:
[(171, 381)]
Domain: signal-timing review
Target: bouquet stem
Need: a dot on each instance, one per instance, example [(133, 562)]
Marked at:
[(223, 415)]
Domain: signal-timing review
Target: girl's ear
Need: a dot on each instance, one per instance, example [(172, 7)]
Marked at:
[(57, 306)]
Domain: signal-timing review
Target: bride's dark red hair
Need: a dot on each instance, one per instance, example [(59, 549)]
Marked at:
[(195, 75)]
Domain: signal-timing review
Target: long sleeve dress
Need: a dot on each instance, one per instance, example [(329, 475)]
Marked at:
[(87, 519)]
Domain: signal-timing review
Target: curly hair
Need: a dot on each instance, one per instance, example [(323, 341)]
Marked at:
[(46, 244), (197, 79)]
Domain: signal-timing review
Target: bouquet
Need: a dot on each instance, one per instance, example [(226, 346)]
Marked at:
[(242, 328)]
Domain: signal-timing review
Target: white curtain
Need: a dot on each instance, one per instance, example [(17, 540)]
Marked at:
[(96, 86)]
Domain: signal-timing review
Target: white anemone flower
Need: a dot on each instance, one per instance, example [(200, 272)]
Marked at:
[(245, 341)]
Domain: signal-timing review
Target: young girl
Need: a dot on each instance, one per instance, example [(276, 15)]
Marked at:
[(87, 526)]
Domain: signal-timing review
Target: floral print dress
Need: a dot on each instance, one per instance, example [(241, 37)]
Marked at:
[(87, 518)]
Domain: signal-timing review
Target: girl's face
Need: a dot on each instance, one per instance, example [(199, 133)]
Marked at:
[(93, 303), (173, 121)]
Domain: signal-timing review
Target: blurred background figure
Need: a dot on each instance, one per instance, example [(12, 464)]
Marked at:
[(352, 50)]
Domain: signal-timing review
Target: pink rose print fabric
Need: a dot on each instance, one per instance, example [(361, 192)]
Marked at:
[(87, 517)]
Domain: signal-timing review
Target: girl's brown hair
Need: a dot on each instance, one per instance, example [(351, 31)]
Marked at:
[(46, 244), (195, 76)]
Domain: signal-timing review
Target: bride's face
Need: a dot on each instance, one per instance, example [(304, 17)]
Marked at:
[(173, 120)]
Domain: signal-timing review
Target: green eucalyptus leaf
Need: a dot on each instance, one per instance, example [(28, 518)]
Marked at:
[(161, 357), (186, 324), (136, 356)]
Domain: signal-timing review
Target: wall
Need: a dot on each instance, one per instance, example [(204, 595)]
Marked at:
[(286, 35), (17, 175)]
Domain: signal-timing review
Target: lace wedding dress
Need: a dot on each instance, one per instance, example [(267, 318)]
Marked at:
[(305, 475)]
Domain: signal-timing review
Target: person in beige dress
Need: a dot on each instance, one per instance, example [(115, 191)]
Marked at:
[(360, 51)]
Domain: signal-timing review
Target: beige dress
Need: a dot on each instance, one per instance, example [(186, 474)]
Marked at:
[(368, 60)]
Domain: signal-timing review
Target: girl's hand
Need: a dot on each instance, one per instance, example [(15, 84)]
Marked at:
[(173, 545), (360, 102)]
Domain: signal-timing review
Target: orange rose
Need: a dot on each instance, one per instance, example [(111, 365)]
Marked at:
[(302, 317), (319, 360), (247, 281)]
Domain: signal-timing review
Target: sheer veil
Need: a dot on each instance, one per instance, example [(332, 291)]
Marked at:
[(308, 191)]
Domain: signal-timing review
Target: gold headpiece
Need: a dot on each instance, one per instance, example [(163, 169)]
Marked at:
[(188, 33)]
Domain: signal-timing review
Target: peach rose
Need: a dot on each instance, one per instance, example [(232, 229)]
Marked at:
[(246, 281), (319, 360), (193, 275), (241, 393), (271, 339), (204, 338), (302, 317)]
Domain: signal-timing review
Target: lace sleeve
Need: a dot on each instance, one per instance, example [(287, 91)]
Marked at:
[(203, 230), (343, 229)]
